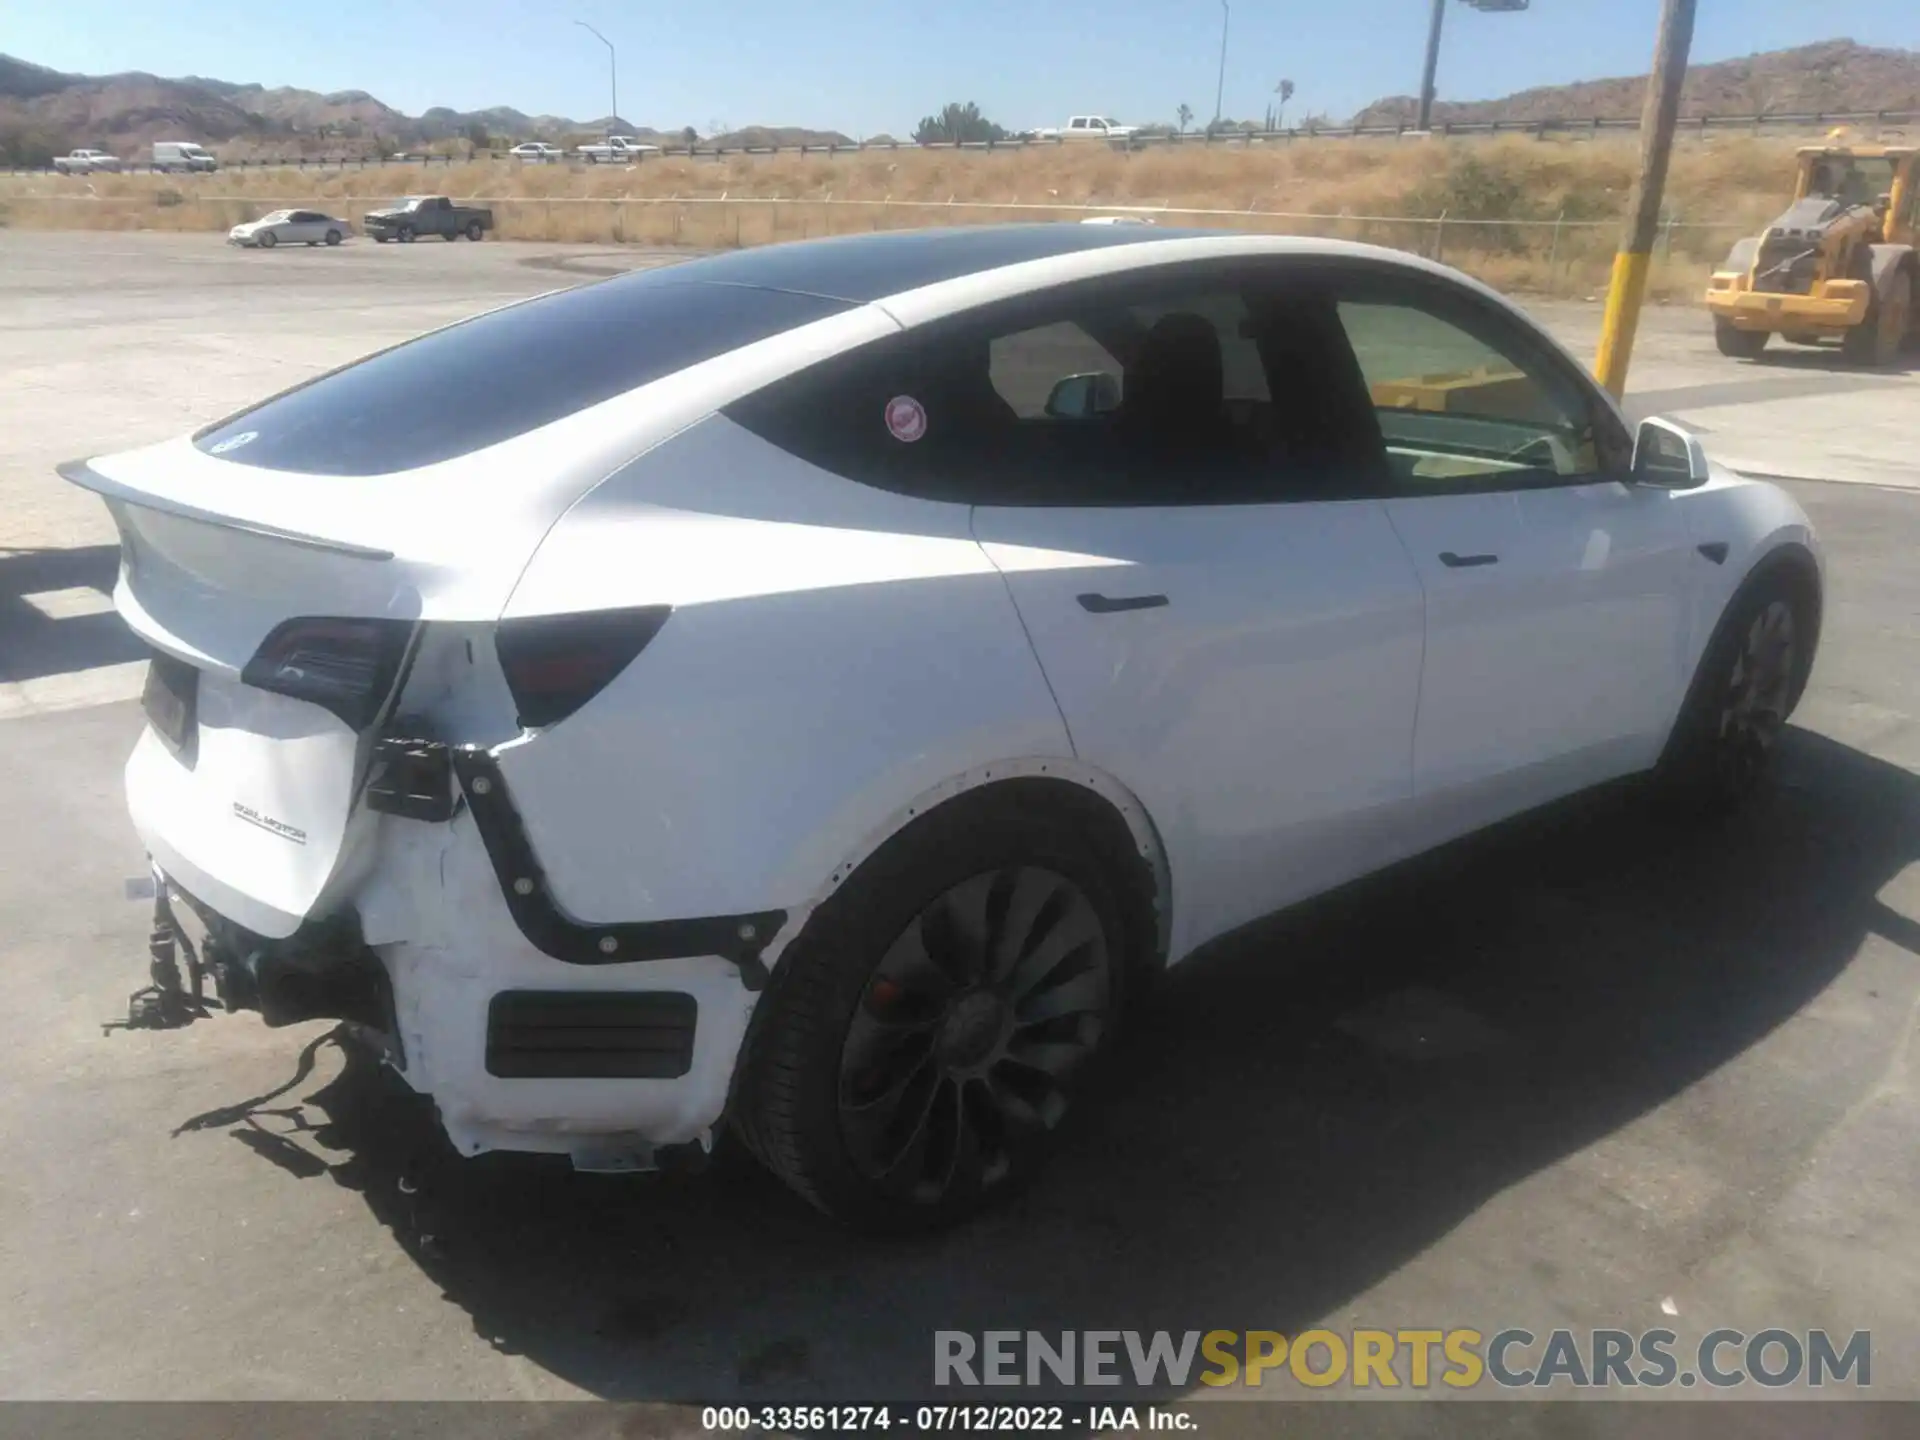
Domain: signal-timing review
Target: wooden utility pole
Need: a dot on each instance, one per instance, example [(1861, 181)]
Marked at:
[(1657, 120)]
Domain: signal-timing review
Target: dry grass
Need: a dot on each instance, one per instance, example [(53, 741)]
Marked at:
[(1500, 197)]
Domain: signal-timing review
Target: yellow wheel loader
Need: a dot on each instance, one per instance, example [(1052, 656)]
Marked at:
[(1839, 264)]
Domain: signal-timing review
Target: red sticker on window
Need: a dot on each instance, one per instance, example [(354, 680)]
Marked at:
[(906, 418)]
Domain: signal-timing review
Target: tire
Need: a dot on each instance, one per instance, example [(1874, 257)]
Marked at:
[(1737, 344), (268, 240), (860, 1031), (404, 235), (475, 230), (1896, 322), (1749, 680), (333, 237), (1877, 339), (380, 239), (1857, 344), (312, 243), (449, 235)]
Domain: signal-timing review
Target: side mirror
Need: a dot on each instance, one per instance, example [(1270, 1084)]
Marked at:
[(1080, 397), (1667, 457)]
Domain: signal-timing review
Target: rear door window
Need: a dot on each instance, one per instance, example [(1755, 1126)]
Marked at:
[(1150, 394)]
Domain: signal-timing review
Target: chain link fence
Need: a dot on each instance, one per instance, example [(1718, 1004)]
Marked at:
[(1558, 256)]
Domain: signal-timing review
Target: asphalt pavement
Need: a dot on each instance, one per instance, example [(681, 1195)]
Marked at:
[(1593, 1070)]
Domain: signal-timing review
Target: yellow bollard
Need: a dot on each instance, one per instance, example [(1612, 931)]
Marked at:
[(1625, 295)]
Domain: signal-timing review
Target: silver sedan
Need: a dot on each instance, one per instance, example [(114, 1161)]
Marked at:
[(290, 227)]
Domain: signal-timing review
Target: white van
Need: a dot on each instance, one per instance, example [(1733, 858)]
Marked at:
[(174, 155)]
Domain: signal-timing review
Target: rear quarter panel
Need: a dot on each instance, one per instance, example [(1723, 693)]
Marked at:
[(835, 654)]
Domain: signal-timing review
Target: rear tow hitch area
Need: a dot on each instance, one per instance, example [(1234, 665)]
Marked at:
[(166, 1002), (323, 971)]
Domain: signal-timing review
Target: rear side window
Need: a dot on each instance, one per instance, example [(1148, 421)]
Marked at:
[(1087, 396), (1026, 367), (489, 379)]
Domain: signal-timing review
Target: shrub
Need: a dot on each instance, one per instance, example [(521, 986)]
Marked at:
[(957, 124)]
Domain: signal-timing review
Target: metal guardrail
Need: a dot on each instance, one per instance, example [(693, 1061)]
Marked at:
[(1541, 129)]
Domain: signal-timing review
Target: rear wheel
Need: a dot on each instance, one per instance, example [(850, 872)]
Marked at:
[(1748, 683), (1902, 328), (474, 230), (1736, 343), (927, 1036), (333, 237), (1876, 340)]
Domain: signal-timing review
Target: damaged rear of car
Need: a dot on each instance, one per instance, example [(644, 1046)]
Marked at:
[(349, 684)]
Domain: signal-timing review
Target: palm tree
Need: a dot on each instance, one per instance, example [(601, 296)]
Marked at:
[(1185, 113)]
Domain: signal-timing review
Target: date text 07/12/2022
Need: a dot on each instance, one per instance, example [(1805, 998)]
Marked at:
[(942, 1419)]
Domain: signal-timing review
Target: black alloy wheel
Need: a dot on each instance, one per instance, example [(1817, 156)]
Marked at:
[(966, 1039), (1757, 697)]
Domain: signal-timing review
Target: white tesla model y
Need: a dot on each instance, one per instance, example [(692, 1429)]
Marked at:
[(808, 689)]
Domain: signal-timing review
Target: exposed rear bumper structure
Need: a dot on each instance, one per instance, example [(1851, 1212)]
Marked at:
[(415, 778), (324, 971), (527, 1028)]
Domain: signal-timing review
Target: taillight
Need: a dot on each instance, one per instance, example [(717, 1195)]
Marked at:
[(554, 664), (347, 666)]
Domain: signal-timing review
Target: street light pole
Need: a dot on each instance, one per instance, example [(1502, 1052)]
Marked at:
[(1220, 88), (613, 72), (1433, 49), (1433, 65)]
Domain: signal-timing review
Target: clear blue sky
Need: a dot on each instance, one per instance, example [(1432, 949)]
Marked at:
[(864, 68)]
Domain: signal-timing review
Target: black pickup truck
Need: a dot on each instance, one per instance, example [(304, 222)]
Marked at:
[(418, 215)]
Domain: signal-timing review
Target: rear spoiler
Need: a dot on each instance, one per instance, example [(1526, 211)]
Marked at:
[(82, 473)]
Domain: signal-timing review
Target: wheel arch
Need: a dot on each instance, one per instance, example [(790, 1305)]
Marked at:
[(1790, 560), (1115, 816)]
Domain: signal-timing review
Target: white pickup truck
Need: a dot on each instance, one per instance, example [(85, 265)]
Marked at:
[(86, 162), (616, 150), (1089, 127)]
